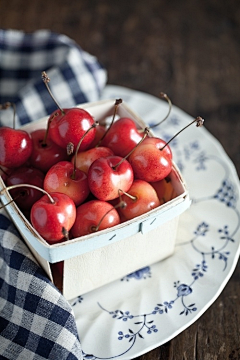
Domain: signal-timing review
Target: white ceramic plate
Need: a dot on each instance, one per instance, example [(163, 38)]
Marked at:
[(144, 310)]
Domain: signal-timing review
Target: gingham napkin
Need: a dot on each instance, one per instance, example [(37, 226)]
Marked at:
[(36, 321), (75, 75)]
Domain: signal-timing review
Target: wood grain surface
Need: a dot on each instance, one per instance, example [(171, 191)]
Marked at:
[(190, 50)]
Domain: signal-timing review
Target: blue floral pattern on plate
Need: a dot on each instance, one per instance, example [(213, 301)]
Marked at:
[(146, 309)]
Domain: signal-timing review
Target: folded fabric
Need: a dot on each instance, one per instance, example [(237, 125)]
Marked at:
[(36, 321), (75, 75)]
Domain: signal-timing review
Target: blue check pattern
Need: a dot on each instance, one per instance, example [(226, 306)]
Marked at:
[(76, 76), (36, 321)]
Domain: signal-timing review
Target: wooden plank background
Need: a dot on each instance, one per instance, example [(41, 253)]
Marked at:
[(190, 50)]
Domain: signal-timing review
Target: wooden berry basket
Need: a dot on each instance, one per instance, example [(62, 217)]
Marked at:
[(94, 260)]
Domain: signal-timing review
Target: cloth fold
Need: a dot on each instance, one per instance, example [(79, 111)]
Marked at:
[(75, 75), (36, 321)]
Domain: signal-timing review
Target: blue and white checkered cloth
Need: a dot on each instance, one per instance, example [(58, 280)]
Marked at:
[(76, 76), (36, 321)]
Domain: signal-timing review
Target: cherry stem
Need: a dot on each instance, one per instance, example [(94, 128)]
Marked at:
[(78, 146), (16, 197), (6, 106), (3, 206), (44, 143), (164, 96), (117, 103), (121, 204), (65, 233), (46, 80), (134, 198), (146, 132), (3, 171), (199, 122), (30, 186)]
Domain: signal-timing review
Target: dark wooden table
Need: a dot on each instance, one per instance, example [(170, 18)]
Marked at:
[(188, 49)]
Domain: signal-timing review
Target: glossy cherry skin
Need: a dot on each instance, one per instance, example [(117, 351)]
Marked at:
[(84, 159), (49, 218), (105, 181), (122, 137), (59, 178), (70, 126), (25, 197), (149, 162), (45, 155), (145, 200), (90, 214), (15, 147)]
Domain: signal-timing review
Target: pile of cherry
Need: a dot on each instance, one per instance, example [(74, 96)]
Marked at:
[(76, 177)]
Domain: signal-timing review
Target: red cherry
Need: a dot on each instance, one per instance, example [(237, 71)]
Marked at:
[(25, 197), (84, 159), (122, 137), (93, 216), (49, 218), (107, 175), (52, 216), (45, 153), (15, 147), (70, 126), (62, 178), (149, 162), (152, 159), (15, 144), (140, 198)]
